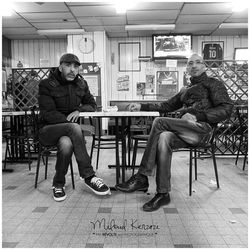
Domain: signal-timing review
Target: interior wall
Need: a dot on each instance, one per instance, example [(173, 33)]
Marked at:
[(37, 53), (230, 42)]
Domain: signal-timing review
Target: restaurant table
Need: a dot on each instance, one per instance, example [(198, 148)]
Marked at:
[(123, 116)]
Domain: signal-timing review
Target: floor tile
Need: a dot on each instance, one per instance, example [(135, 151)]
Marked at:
[(210, 218), (236, 210)]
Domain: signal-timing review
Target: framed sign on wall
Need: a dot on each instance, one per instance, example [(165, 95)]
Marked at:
[(213, 53), (166, 83), (128, 56)]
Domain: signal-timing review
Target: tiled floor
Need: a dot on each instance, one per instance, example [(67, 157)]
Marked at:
[(209, 218)]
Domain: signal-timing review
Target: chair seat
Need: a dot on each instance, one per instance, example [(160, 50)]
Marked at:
[(105, 137), (140, 137)]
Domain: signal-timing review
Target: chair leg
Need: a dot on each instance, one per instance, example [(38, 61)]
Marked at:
[(46, 167), (98, 152), (7, 150), (134, 156), (38, 166), (190, 171), (215, 167), (245, 156), (72, 174), (92, 149), (29, 155), (238, 152), (195, 164)]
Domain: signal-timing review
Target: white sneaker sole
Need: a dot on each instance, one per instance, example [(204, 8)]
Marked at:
[(60, 199), (99, 193)]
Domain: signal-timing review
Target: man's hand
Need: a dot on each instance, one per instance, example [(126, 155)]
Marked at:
[(189, 117), (73, 117), (134, 107)]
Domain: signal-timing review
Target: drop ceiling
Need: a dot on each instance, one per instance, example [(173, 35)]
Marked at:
[(197, 18)]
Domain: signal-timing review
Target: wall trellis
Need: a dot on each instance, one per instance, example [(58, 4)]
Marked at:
[(233, 73)]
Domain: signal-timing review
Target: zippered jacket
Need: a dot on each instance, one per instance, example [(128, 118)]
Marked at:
[(206, 98), (58, 98)]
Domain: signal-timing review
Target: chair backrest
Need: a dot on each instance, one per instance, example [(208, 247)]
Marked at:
[(242, 115), (35, 123)]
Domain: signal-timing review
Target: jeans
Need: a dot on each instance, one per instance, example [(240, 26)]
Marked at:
[(168, 134), (69, 139)]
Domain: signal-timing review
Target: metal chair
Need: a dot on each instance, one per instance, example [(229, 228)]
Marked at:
[(44, 151), (100, 141), (242, 115), (18, 141), (193, 155)]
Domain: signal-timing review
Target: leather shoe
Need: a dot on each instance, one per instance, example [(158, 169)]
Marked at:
[(137, 182), (158, 201)]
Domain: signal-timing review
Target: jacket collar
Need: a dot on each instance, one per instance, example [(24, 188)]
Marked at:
[(55, 75), (198, 79)]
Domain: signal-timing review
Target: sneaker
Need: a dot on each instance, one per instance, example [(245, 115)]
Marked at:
[(59, 193), (97, 186)]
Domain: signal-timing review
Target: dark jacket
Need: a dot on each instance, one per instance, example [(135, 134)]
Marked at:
[(206, 98), (58, 98)]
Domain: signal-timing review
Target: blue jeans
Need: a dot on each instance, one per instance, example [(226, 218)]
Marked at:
[(168, 134), (69, 139)]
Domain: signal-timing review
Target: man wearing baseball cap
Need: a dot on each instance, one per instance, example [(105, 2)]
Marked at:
[(62, 96)]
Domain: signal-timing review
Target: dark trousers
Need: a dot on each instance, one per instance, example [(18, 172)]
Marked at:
[(69, 139), (168, 134)]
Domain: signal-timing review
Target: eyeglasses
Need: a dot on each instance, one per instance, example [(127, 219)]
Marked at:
[(191, 63)]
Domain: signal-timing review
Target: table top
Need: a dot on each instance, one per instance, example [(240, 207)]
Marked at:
[(95, 114), (14, 113), (119, 114)]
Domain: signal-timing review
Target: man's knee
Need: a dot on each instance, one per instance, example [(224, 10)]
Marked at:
[(165, 139), (65, 145)]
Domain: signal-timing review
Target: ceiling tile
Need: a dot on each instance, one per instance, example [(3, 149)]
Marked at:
[(202, 18), (232, 32), (114, 28), (242, 14), (54, 15), (87, 3), (14, 15), (81, 11), (11, 23), (236, 20), (90, 21), (153, 21), (206, 8), (93, 28), (13, 31), (24, 37), (39, 6), (195, 28), (116, 34), (65, 25), (152, 15), (115, 20), (51, 20), (158, 6)]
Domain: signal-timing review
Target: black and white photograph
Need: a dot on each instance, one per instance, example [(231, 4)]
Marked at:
[(124, 124)]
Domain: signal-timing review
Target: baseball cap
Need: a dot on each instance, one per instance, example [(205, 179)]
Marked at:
[(70, 58)]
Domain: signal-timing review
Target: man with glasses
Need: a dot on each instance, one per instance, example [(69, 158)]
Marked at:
[(201, 105), (62, 96)]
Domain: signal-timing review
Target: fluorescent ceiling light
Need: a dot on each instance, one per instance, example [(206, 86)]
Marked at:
[(239, 5), (233, 26), (6, 9), (150, 27), (61, 31)]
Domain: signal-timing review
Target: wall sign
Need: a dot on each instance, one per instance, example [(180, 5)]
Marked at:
[(128, 56), (213, 53), (166, 83)]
